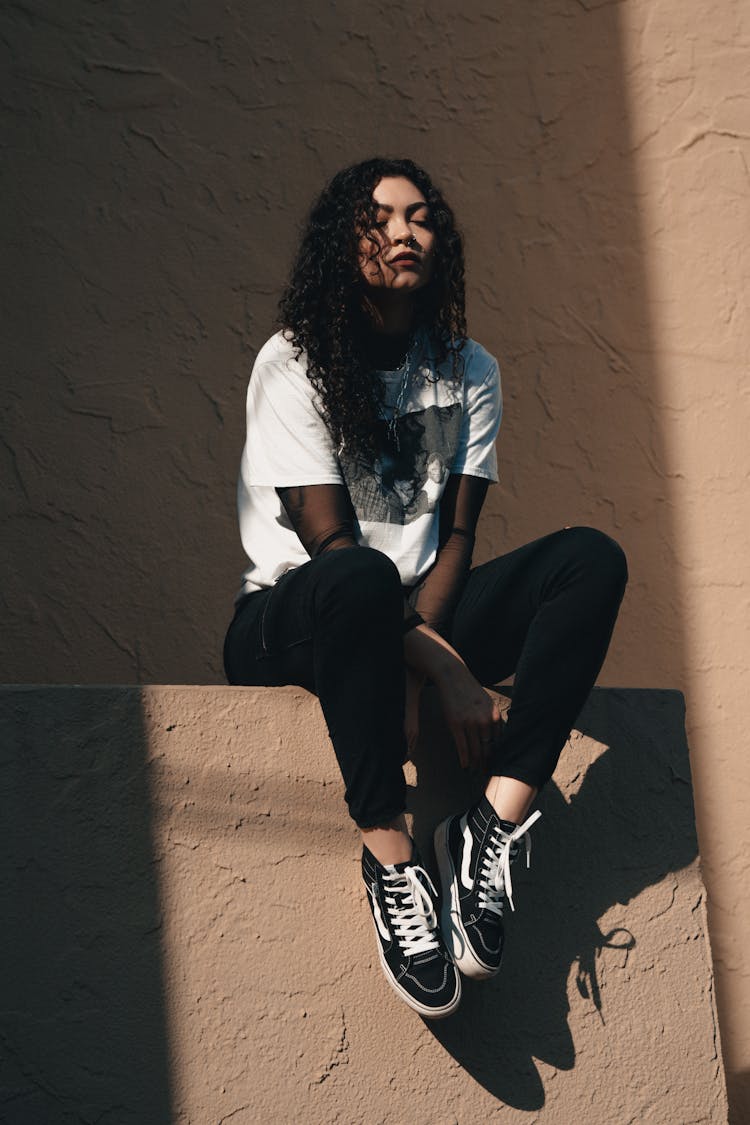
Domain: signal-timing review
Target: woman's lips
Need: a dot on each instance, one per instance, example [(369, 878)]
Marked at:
[(405, 260)]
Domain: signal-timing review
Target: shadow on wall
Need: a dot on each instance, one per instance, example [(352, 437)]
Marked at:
[(83, 1028), (172, 156), (628, 823), (740, 1089)]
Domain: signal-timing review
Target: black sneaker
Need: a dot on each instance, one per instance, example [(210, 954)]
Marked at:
[(412, 953), (474, 853)]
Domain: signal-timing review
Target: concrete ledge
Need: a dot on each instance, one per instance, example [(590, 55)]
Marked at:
[(186, 939)]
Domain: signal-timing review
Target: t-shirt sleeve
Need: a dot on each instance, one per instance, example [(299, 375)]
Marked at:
[(288, 441), (476, 454)]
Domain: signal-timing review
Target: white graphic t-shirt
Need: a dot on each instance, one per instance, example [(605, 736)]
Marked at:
[(443, 426)]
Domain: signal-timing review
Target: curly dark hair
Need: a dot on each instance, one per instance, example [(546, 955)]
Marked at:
[(324, 309)]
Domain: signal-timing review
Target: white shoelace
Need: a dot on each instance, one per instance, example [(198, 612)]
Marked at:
[(494, 874), (411, 910)]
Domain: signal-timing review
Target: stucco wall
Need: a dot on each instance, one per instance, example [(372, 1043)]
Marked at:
[(156, 164)]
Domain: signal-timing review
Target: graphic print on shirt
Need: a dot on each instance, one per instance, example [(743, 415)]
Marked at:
[(444, 426), (409, 475)]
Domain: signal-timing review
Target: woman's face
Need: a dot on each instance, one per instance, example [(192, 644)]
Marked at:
[(435, 470), (398, 252)]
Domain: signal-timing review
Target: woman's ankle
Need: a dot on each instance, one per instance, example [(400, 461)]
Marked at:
[(510, 798), (389, 843)]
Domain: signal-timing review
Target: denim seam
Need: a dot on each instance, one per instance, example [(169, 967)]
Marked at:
[(280, 651)]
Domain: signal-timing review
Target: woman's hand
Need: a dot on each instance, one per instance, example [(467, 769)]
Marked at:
[(472, 714), (414, 684)]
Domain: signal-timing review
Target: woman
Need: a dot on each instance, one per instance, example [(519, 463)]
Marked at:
[(370, 397)]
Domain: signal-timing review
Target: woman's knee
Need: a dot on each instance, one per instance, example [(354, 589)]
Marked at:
[(600, 553), (360, 578)]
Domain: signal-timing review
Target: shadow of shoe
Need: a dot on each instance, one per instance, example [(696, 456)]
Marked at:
[(618, 819)]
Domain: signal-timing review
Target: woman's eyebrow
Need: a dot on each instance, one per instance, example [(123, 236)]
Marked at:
[(411, 208)]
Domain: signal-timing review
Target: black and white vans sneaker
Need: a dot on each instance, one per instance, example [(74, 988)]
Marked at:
[(474, 853), (412, 952)]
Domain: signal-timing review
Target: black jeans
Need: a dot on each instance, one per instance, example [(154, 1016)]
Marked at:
[(334, 626)]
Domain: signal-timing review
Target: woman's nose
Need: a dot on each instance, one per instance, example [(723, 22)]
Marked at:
[(400, 231)]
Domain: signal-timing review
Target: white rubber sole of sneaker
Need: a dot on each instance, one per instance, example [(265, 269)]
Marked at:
[(451, 926), (428, 1013)]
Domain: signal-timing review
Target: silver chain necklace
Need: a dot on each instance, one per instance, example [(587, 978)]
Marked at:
[(406, 371)]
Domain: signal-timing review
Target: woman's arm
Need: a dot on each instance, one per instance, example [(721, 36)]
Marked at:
[(436, 597), (472, 715), (321, 514)]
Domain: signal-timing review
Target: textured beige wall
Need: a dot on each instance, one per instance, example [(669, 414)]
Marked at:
[(156, 163), (199, 937), (691, 129)]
